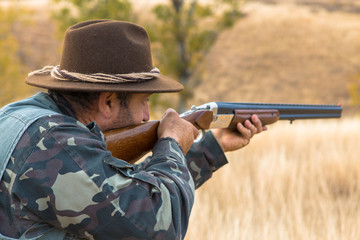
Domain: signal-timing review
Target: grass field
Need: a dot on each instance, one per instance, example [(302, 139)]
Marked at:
[(299, 181)]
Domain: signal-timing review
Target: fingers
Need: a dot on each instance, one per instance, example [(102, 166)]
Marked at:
[(257, 122), (251, 127), (171, 125), (170, 114), (230, 140), (180, 123), (244, 130)]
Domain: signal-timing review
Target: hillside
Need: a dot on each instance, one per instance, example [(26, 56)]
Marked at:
[(284, 53)]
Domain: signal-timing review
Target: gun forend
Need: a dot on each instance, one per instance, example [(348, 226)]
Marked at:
[(230, 117)]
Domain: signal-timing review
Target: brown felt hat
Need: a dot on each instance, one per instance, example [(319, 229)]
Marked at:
[(107, 47)]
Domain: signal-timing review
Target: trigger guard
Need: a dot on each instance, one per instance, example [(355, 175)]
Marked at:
[(201, 136)]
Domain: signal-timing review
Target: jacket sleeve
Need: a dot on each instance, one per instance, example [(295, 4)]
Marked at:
[(204, 158), (72, 182)]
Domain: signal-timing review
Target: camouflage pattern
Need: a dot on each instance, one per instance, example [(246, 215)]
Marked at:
[(204, 158), (61, 176)]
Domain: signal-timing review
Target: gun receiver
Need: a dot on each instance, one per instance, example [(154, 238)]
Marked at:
[(131, 143)]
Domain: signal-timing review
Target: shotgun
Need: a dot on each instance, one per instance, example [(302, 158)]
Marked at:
[(132, 143)]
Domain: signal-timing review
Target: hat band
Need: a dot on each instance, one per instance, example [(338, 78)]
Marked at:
[(64, 75)]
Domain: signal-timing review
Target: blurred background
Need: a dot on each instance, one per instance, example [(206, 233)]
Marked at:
[(298, 181)]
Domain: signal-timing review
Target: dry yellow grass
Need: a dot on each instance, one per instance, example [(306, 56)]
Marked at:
[(299, 181)]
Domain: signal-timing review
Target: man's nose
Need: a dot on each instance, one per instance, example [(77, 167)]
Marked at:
[(146, 114)]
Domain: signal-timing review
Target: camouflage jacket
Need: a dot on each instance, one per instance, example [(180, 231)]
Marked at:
[(61, 176)]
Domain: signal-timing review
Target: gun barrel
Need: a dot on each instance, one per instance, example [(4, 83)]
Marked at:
[(287, 111)]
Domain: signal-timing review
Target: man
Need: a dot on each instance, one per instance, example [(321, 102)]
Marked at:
[(58, 181)]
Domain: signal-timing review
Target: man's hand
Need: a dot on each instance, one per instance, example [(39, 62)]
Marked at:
[(231, 140), (171, 125)]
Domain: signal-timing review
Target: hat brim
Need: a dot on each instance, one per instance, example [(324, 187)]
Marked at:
[(161, 84)]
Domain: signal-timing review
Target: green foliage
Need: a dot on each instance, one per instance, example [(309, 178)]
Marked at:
[(69, 12), (231, 11), (12, 70), (178, 38), (184, 33)]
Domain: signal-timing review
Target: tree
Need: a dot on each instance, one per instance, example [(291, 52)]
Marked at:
[(12, 70), (69, 12), (182, 39)]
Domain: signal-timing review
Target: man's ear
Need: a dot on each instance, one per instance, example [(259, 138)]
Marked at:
[(107, 104)]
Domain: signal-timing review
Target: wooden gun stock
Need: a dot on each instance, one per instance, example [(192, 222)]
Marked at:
[(132, 143)]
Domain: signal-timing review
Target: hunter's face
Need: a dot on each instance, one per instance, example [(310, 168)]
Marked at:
[(135, 113), (139, 107)]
